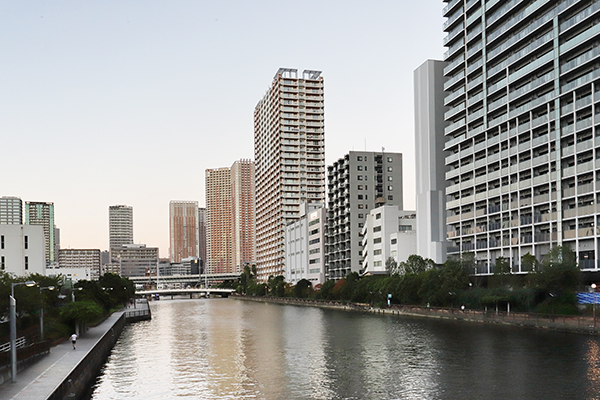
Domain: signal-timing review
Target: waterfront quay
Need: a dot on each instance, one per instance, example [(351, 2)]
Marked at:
[(565, 323), (66, 373)]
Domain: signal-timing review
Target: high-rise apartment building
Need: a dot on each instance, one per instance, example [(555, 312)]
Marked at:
[(120, 226), (41, 213), (357, 183), (523, 91), (202, 236), (11, 210), (230, 217), (243, 214), (289, 153), (183, 228), (219, 227)]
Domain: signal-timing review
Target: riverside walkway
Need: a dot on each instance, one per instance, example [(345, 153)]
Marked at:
[(43, 378)]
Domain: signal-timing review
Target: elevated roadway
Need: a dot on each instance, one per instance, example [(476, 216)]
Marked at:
[(185, 279), (189, 291)]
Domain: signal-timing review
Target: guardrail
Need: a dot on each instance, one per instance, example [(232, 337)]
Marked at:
[(20, 342)]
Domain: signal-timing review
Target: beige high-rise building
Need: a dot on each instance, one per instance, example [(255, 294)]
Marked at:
[(183, 228), (289, 152), (42, 213), (230, 217), (243, 213)]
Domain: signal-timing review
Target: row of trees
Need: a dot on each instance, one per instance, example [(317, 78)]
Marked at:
[(93, 300), (549, 287)]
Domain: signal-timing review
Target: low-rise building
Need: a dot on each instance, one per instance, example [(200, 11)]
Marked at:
[(389, 232), (137, 260), (305, 245), (81, 258)]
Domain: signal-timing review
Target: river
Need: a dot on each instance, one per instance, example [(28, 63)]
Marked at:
[(234, 349)]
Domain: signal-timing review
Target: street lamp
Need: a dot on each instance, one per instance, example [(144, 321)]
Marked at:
[(73, 300), (13, 328), (42, 311), (594, 301)]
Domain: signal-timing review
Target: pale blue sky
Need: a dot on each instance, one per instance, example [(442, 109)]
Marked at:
[(128, 102)]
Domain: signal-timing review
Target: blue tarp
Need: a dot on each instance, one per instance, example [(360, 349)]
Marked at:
[(588, 298)]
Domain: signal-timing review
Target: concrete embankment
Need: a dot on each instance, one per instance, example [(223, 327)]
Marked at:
[(66, 373), (576, 324)]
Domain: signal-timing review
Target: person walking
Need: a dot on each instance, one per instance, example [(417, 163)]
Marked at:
[(74, 340)]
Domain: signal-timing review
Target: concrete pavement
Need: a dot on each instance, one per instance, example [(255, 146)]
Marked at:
[(39, 380)]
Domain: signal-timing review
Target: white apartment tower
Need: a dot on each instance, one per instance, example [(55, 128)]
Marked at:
[(120, 226), (11, 210), (289, 153), (522, 85)]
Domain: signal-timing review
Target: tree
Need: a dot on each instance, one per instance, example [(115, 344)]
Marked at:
[(303, 289), (415, 264), (502, 274), (276, 285), (558, 278), (391, 266)]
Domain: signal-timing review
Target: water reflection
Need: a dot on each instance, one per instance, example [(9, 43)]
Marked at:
[(225, 348)]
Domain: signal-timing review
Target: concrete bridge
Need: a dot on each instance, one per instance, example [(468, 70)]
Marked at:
[(190, 292)]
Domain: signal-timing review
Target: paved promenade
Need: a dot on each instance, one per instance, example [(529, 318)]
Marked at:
[(39, 380)]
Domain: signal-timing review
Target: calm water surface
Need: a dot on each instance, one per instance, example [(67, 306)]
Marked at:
[(232, 349)]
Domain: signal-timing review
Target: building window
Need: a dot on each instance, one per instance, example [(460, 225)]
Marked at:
[(390, 178), (365, 158), (2, 242), (389, 169), (2, 265), (402, 228), (378, 216), (26, 262), (358, 158), (359, 177), (377, 252), (377, 229), (314, 241), (377, 264), (361, 216), (359, 167), (390, 187), (314, 231), (360, 187), (365, 177), (360, 224), (360, 206), (315, 261), (390, 197), (394, 241), (390, 159), (26, 242), (377, 240), (360, 196)]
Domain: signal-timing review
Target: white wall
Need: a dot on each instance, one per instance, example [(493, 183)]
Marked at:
[(19, 260)]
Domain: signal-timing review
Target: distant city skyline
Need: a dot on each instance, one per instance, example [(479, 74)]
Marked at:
[(129, 104)]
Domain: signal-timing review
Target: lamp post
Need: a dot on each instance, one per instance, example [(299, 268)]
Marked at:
[(13, 328), (594, 301), (42, 311), (73, 300)]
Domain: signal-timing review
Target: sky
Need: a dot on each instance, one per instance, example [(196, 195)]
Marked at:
[(129, 102)]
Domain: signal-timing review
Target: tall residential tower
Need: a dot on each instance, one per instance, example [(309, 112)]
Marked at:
[(289, 152), (120, 228), (183, 228), (230, 217), (42, 213), (523, 91)]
